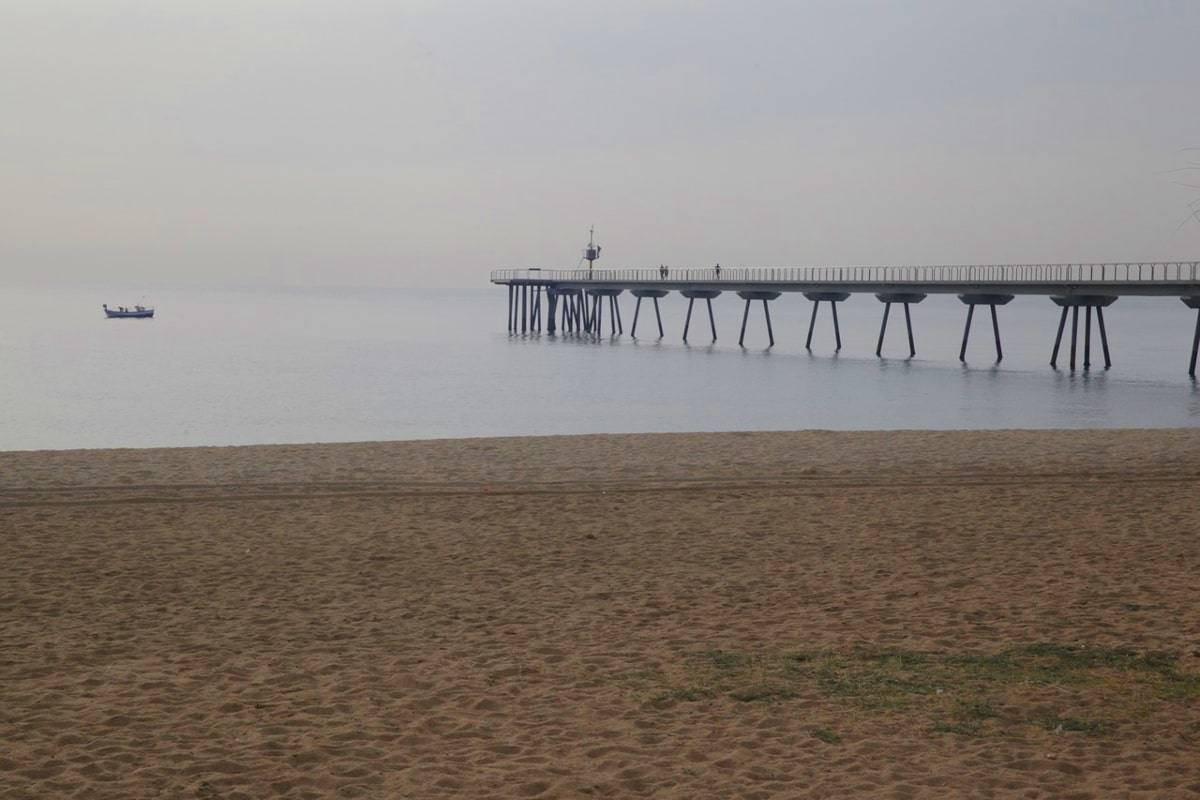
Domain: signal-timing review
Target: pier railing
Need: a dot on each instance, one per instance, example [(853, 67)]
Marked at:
[(1157, 272)]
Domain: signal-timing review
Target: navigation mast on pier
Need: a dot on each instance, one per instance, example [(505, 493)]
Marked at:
[(593, 250)]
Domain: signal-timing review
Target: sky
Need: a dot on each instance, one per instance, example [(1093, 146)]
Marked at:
[(425, 143)]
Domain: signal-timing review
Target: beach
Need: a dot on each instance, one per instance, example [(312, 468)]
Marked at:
[(799, 614)]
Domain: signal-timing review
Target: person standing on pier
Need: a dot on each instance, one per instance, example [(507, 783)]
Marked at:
[(717, 269)]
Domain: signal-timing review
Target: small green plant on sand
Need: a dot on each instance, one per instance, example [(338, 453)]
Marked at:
[(956, 692), (827, 736)]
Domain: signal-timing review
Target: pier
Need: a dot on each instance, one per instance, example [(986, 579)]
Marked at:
[(573, 301)]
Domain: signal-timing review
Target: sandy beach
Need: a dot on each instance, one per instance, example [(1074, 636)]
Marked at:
[(809, 614)]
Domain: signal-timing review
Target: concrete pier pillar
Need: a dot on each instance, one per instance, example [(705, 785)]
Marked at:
[(1194, 302), (1062, 323), (653, 294), (597, 298), (765, 297), (962, 352), (699, 294), (905, 298), (833, 298), (1103, 336), (990, 300), (1087, 337), (1074, 334), (1072, 304)]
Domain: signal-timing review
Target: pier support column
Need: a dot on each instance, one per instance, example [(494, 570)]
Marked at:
[(996, 333), (837, 330), (962, 352), (833, 298), (582, 323), (990, 300), (1087, 337), (693, 295), (1072, 304), (898, 297), (1062, 323), (1194, 302), (765, 297), (1074, 334), (887, 307), (653, 294), (510, 308), (912, 346), (551, 307), (1195, 347), (1103, 336), (598, 298)]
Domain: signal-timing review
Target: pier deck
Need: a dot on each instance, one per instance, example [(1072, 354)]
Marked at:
[(579, 295), (1169, 279)]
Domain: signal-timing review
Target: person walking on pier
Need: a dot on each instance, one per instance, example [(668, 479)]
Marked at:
[(662, 271), (717, 269)]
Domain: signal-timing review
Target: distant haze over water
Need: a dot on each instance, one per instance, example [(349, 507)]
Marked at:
[(242, 366)]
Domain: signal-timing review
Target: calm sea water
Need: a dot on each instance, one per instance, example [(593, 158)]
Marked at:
[(240, 366)]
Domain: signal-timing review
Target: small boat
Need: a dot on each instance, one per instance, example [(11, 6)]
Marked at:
[(124, 312)]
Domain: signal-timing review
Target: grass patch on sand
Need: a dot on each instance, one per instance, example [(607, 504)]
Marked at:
[(1057, 724), (1040, 685), (827, 736)]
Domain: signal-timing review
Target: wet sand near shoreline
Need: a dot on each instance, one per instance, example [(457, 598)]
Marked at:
[(807, 614)]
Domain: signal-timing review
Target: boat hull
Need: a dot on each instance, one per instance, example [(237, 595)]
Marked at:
[(145, 314)]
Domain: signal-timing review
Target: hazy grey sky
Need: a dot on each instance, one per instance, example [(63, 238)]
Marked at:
[(424, 143)]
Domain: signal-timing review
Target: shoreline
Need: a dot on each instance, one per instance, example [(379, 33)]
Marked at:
[(478, 456)]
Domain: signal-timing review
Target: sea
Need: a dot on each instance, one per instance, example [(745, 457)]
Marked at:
[(237, 365)]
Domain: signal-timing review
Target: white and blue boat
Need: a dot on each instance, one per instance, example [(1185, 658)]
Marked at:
[(124, 312)]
